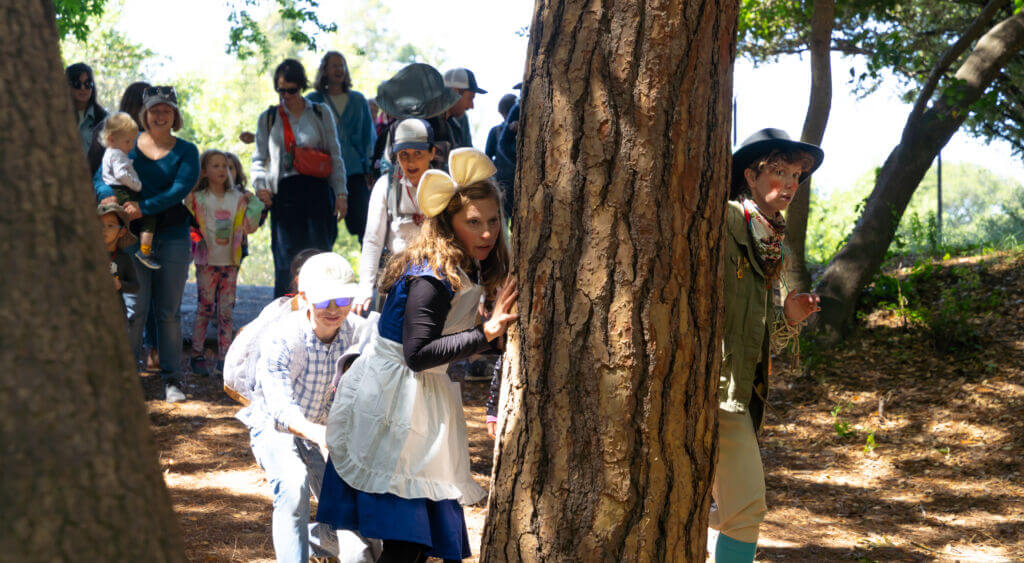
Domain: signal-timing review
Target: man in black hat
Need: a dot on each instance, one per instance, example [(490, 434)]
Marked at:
[(766, 172)]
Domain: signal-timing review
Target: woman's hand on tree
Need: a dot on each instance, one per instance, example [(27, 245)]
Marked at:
[(131, 209), (799, 306), (502, 315)]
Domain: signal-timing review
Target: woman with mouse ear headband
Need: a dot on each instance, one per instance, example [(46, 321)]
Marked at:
[(468, 166), (399, 467)]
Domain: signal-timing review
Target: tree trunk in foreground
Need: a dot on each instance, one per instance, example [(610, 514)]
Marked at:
[(78, 473), (610, 396), (818, 108), (924, 135)]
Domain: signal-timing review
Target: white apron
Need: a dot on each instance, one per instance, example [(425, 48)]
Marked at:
[(393, 430)]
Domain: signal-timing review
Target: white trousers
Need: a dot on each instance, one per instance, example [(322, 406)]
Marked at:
[(738, 486)]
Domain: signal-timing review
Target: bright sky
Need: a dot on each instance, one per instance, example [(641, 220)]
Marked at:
[(482, 35)]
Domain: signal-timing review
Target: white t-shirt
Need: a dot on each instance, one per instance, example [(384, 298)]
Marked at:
[(219, 224), (119, 171)]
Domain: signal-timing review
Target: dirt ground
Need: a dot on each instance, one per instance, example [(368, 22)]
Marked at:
[(887, 451)]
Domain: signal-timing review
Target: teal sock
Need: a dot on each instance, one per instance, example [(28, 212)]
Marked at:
[(728, 550)]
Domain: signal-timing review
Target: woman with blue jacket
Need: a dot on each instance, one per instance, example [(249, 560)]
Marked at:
[(356, 134), (168, 168)]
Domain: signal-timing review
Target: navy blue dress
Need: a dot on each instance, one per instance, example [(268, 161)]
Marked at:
[(413, 314)]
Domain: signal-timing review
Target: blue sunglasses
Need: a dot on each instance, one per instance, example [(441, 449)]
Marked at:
[(340, 302)]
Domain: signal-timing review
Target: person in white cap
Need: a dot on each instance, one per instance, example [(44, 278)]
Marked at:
[(299, 361), (394, 218), (463, 81)]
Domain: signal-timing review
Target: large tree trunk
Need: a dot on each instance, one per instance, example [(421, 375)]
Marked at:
[(924, 134), (610, 396), (818, 108), (79, 479)]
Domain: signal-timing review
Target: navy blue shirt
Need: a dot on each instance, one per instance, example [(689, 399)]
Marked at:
[(414, 314)]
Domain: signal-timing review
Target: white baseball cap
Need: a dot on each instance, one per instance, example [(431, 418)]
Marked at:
[(413, 133), (463, 79), (327, 276)]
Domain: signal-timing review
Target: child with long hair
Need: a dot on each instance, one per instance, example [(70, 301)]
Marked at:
[(396, 431), (241, 183), (225, 215)]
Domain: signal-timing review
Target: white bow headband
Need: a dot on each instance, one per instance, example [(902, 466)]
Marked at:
[(468, 166)]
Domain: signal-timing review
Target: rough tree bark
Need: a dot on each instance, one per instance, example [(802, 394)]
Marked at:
[(925, 133), (78, 473), (606, 438), (818, 108)]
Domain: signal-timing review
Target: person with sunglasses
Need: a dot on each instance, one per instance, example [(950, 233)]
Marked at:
[(305, 205), (300, 358), (88, 112)]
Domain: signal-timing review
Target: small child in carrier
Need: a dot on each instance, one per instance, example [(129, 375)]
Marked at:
[(224, 215), (118, 137)]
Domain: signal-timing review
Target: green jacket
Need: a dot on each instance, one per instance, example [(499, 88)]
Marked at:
[(749, 318)]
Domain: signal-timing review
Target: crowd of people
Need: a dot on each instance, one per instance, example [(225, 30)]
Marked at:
[(345, 380)]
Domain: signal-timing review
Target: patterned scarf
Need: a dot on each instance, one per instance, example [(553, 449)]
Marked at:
[(768, 234)]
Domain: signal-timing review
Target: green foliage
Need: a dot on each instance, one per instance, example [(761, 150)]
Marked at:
[(953, 321), (869, 443), (900, 42), (980, 211), (842, 428), (73, 16), (295, 21), (949, 304), (116, 61), (246, 39)]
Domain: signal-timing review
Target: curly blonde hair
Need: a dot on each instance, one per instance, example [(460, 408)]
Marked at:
[(438, 246), (118, 124)]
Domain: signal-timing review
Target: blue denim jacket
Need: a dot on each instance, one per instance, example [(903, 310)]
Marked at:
[(356, 133)]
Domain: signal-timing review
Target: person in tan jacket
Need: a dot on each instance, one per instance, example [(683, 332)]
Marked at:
[(767, 170)]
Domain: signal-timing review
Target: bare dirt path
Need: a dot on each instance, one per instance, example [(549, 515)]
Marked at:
[(944, 480)]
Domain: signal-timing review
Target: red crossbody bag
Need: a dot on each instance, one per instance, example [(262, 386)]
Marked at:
[(307, 161)]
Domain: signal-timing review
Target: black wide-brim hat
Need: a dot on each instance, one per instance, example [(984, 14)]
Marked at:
[(765, 141), (417, 90)]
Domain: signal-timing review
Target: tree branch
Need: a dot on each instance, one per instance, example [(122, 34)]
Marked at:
[(973, 32)]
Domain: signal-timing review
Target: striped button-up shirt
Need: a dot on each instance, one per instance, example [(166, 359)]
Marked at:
[(295, 374)]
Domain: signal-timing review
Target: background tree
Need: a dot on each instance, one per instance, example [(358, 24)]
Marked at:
[(941, 106), (78, 465), (610, 395), (954, 60), (980, 210), (116, 60)]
